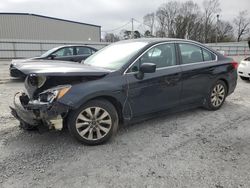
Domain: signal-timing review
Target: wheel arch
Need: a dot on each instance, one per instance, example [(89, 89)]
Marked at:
[(226, 82), (113, 101)]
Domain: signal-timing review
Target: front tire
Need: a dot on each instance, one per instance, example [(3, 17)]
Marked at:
[(94, 122), (27, 127), (217, 95)]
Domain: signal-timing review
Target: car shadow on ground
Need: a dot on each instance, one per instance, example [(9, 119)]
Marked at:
[(55, 137), (16, 80), (63, 137), (32, 149), (11, 80)]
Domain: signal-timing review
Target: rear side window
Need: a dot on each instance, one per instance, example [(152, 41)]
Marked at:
[(193, 54), (83, 51), (190, 53), (208, 56)]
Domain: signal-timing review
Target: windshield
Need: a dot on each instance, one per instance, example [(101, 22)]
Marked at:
[(115, 55), (49, 52)]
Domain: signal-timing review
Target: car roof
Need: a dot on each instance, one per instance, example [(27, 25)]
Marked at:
[(155, 40), (73, 45), (159, 40), (152, 41)]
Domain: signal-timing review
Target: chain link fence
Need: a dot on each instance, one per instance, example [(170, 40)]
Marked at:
[(231, 48)]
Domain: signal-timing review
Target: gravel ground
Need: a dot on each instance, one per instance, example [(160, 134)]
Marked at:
[(195, 148)]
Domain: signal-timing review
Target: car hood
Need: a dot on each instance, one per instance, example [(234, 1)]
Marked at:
[(18, 61), (60, 68)]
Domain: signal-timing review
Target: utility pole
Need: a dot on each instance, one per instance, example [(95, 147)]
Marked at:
[(132, 31), (217, 24)]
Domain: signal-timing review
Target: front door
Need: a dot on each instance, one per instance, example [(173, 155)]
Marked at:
[(159, 90), (64, 54)]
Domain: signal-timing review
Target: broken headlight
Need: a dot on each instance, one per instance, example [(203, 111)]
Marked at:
[(36, 81), (54, 93)]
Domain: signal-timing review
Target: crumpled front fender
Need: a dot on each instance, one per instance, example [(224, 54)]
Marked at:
[(37, 113)]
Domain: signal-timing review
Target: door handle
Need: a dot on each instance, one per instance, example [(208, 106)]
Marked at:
[(211, 69), (169, 81), (172, 79)]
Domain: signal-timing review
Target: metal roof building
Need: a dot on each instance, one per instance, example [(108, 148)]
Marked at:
[(23, 26)]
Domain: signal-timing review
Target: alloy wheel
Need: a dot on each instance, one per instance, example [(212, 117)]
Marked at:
[(93, 123), (218, 95)]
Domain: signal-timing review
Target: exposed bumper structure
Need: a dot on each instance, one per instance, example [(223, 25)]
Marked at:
[(36, 113)]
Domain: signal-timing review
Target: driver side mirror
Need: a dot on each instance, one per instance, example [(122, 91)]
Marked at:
[(51, 56), (145, 68)]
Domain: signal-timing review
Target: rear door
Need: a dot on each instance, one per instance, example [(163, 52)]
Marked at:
[(159, 90), (197, 72), (82, 53)]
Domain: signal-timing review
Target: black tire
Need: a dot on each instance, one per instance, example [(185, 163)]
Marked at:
[(95, 125), (27, 127), (211, 104), (244, 78)]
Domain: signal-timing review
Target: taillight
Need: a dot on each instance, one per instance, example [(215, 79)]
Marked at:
[(235, 64)]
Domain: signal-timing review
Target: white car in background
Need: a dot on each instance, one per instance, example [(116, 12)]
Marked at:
[(244, 69)]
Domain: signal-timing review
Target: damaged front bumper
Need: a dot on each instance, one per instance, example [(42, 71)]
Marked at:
[(34, 113)]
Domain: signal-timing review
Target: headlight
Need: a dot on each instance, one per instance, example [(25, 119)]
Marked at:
[(13, 63), (36, 81), (54, 93)]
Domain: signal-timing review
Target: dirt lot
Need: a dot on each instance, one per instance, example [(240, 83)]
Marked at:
[(196, 148)]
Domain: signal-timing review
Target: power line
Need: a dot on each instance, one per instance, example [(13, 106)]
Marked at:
[(118, 28), (142, 25), (132, 21)]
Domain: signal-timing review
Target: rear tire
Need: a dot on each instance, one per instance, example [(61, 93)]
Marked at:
[(216, 96), (94, 122), (244, 78)]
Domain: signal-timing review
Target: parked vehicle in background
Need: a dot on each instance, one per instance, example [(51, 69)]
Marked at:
[(126, 81), (244, 69), (73, 53), (221, 51)]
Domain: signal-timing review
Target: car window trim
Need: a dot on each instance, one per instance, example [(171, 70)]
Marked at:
[(74, 51), (176, 54)]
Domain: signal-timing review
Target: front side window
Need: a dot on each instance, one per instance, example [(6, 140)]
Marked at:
[(68, 51), (162, 55), (49, 52)]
